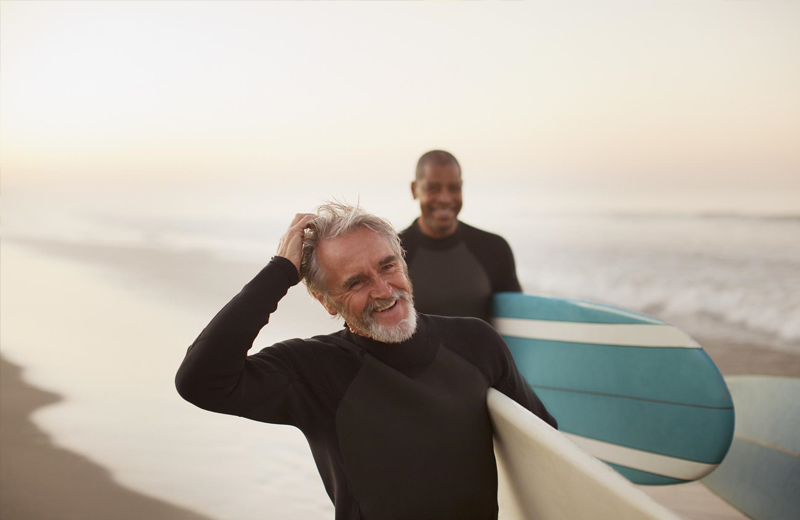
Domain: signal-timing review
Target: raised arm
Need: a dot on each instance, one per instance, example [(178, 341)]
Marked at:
[(216, 373)]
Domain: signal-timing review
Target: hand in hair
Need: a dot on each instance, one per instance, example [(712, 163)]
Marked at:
[(291, 243)]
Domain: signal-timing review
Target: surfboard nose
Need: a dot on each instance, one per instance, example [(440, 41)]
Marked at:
[(632, 390)]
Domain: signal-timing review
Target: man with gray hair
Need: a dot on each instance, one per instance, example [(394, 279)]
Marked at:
[(394, 405)]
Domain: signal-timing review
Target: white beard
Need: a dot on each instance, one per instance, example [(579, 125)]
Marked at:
[(365, 324)]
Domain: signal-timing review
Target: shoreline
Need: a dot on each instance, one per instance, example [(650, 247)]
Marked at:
[(41, 481)]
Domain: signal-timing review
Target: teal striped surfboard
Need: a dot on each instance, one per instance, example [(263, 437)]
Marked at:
[(631, 390)]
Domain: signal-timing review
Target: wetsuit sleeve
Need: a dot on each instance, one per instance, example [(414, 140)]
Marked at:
[(506, 280), (217, 373), (494, 254)]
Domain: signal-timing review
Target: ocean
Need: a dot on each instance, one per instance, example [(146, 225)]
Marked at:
[(100, 309)]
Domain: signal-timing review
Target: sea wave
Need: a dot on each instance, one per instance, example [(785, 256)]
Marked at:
[(745, 273), (739, 270)]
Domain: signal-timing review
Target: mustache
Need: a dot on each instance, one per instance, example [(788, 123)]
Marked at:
[(383, 302)]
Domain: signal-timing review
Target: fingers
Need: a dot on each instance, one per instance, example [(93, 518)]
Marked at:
[(302, 218), (291, 243)]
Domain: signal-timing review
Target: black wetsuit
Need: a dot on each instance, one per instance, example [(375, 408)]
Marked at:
[(396, 430), (457, 275)]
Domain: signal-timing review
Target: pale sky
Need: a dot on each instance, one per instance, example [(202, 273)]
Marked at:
[(693, 99)]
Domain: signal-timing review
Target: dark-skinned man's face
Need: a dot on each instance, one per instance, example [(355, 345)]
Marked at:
[(439, 195)]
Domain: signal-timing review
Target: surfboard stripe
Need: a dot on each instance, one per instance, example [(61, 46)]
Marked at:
[(636, 335), (617, 396), (696, 434), (672, 467), (659, 374)]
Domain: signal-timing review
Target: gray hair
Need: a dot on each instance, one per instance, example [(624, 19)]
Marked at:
[(336, 219)]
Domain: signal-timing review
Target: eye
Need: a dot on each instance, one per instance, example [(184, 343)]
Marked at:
[(388, 267)]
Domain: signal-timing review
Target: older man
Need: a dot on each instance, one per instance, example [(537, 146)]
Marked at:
[(455, 267), (394, 405)]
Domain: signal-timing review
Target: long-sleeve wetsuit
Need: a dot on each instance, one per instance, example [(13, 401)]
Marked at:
[(396, 430), (457, 275)]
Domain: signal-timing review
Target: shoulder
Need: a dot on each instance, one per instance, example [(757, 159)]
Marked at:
[(485, 238), (311, 350), (321, 361), (466, 325), (475, 341), (466, 332), (411, 231)]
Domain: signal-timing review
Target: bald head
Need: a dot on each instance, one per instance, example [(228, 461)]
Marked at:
[(438, 158)]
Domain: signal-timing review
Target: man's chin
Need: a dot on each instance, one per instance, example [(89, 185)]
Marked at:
[(397, 331), (443, 225), (401, 332), (396, 326)]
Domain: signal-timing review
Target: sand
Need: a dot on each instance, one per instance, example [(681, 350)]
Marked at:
[(41, 480)]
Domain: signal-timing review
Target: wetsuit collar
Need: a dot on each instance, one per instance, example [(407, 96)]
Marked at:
[(418, 350), (438, 243)]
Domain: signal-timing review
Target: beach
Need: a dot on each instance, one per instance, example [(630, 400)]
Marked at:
[(153, 154), (41, 479)]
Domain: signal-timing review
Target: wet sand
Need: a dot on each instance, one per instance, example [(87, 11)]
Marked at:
[(40, 481), (738, 359)]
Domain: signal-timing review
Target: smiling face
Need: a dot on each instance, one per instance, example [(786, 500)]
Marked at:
[(368, 286), (439, 193)]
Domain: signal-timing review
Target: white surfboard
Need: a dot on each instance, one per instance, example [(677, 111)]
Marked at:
[(545, 476)]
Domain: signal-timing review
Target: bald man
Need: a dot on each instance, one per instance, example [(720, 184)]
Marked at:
[(455, 268)]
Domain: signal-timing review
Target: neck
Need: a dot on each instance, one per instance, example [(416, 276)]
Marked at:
[(435, 233), (356, 332)]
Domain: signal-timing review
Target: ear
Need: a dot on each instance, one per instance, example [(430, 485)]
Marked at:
[(414, 189), (324, 303)]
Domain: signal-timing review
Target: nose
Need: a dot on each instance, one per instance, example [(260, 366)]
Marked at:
[(381, 288), (445, 196)]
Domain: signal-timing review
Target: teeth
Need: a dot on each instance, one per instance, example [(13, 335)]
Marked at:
[(389, 305)]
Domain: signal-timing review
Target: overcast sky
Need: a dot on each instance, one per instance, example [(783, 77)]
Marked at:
[(689, 99)]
